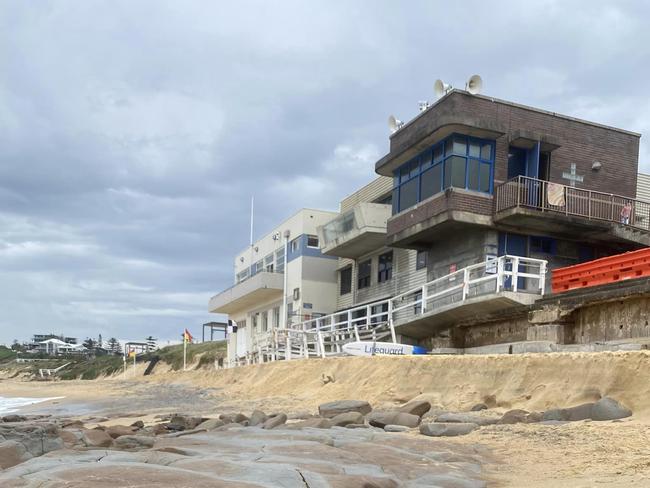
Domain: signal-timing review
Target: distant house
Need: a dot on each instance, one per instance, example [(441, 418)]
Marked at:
[(55, 347)]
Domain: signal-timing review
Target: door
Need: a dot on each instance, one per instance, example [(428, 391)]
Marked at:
[(513, 245)]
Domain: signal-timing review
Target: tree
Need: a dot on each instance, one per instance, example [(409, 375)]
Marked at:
[(114, 345), (152, 343), (16, 346), (89, 343)]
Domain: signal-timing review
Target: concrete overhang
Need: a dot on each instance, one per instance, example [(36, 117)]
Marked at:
[(246, 295), (357, 232), (445, 126), (529, 220), (447, 316), (527, 139)]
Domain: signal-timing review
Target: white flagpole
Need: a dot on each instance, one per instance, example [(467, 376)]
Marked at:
[(184, 352), (134, 354)]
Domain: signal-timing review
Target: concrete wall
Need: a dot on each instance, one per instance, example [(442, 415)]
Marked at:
[(471, 246), (625, 319), (377, 188)]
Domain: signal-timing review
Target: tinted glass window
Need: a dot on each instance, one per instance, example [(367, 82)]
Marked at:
[(385, 267), (486, 151), (474, 149), (430, 182), (473, 174), (458, 172), (408, 194), (460, 146), (421, 259), (312, 241), (438, 152), (484, 177), (425, 159), (346, 280), (365, 269)]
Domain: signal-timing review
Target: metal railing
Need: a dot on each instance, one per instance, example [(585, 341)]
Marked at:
[(325, 336), (546, 196)]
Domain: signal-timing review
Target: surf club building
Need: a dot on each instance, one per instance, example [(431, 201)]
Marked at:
[(285, 262), (475, 203)]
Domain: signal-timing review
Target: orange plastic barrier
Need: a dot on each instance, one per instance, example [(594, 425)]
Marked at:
[(626, 266)]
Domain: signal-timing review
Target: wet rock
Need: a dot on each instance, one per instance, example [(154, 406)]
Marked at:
[(12, 453), (37, 437), (71, 437), (134, 442), (443, 429), (72, 424), (332, 409), (210, 424), (138, 424), (96, 438), (257, 417), (382, 419), (609, 409), (275, 421), (116, 431), (159, 429), (240, 418), (466, 418), (396, 428), (416, 407), (478, 407), (14, 418), (343, 419)]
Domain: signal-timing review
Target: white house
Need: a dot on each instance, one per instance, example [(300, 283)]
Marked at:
[(285, 262)]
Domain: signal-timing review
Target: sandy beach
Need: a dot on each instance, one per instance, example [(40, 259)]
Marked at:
[(573, 454)]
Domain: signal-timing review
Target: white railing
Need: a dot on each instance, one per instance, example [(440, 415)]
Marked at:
[(325, 336)]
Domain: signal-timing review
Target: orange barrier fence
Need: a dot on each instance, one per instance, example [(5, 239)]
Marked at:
[(627, 266)]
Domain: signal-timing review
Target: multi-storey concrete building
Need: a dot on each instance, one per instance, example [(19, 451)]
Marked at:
[(288, 261)]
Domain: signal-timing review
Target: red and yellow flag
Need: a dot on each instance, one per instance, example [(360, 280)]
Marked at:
[(187, 337)]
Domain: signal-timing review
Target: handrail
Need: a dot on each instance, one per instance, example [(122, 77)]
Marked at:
[(524, 191)]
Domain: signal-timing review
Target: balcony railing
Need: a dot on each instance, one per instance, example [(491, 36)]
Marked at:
[(325, 336), (546, 196)]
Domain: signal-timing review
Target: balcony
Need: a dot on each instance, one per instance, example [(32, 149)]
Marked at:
[(356, 232), (259, 288), (544, 206)]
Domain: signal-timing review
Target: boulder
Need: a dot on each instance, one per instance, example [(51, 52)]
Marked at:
[(416, 407), (116, 431), (315, 423), (134, 442), (572, 414), (274, 422), (396, 428), (357, 426), (301, 415), (343, 419), (516, 416), (184, 422), (609, 409), (332, 409), (71, 438), (443, 429), (382, 419), (478, 407), (96, 438), (240, 418), (257, 417), (73, 424), (466, 418), (138, 424), (158, 429), (533, 417), (210, 424), (14, 418), (12, 453)]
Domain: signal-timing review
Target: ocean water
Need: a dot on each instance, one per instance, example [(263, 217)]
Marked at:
[(13, 404)]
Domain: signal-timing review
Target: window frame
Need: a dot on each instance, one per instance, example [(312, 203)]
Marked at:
[(364, 281), (347, 269), (418, 264), (311, 236), (385, 267), (435, 158)]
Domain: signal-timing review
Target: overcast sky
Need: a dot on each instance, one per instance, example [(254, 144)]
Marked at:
[(133, 133)]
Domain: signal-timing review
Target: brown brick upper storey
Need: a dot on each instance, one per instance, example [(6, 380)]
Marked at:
[(568, 139)]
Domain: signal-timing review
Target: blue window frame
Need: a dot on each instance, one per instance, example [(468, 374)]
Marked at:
[(457, 161)]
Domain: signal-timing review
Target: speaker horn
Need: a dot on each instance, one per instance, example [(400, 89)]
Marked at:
[(441, 88), (474, 85), (394, 124)]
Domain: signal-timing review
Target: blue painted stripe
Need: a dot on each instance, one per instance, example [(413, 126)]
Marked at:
[(419, 350)]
